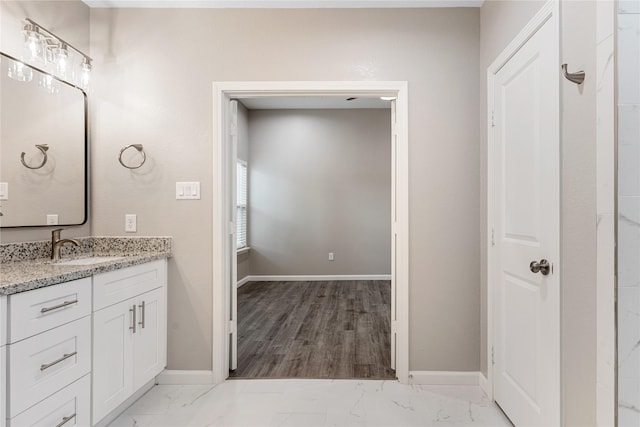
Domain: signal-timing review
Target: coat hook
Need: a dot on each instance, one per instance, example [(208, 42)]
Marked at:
[(43, 148), (576, 78), (137, 147)]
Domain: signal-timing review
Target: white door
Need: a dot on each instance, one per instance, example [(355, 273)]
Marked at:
[(525, 165), (150, 348), (233, 268)]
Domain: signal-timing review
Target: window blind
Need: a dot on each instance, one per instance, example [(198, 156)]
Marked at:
[(241, 205)]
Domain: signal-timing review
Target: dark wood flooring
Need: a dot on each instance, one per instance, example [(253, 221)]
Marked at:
[(337, 329)]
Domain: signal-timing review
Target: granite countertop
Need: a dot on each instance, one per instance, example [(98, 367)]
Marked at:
[(18, 273)]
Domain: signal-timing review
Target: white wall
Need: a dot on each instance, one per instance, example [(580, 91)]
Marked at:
[(67, 19), (154, 70), (320, 182), (628, 213)]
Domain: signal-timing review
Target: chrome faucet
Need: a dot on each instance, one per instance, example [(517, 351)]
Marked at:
[(57, 242)]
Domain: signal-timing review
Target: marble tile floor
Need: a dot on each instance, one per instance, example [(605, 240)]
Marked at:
[(304, 402)]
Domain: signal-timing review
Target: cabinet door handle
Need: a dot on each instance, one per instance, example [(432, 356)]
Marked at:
[(142, 315), (55, 307), (66, 420), (55, 362), (133, 315)]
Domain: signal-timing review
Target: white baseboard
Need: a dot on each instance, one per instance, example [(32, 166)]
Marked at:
[(243, 281), (171, 377), (315, 278), (444, 378)]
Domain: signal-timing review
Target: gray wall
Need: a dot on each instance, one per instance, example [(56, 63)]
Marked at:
[(500, 22), (67, 19), (320, 182), (153, 80)]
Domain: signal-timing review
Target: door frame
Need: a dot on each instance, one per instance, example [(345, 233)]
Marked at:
[(549, 10), (222, 156)]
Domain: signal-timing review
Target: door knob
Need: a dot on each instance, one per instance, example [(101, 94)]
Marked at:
[(543, 267)]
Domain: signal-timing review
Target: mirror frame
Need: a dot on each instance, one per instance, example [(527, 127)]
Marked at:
[(86, 147)]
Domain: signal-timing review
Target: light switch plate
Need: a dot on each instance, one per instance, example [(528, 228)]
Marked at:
[(187, 190), (130, 223)]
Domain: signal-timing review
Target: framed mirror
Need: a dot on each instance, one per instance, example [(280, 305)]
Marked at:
[(43, 148)]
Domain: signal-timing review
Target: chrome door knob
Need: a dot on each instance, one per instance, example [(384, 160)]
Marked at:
[(543, 267)]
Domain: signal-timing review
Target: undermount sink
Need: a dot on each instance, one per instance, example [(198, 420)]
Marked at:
[(90, 260)]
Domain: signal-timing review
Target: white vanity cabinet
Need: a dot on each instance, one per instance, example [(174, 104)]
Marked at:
[(3, 361), (48, 355), (129, 333)]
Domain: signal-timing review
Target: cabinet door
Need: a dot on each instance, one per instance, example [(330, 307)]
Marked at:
[(3, 382), (112, 357), (150, 343)]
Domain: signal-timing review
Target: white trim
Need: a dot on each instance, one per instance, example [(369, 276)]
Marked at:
[(551, 8), (281, 4), (221, 264), (243, 250), (484, 384), (317, 278), (444, 378), (173, 377), (243, 281)]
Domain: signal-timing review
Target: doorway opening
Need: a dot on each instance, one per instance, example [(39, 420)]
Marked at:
[(225, 227)]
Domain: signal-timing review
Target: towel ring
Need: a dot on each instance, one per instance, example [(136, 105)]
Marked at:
[(43, 148), (140, 150)]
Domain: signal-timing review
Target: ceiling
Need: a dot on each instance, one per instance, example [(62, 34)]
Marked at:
[(312, 102), (283, 4)]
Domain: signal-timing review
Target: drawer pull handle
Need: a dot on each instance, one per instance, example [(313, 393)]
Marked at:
[(133, 315), (55, 307), (55, 362), (142, 315), (65, 420)]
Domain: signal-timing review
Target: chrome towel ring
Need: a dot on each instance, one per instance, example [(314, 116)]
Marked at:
[(140, 150), (43, 148)]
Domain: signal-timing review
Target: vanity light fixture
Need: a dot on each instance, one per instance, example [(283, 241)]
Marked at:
[(42, 45)]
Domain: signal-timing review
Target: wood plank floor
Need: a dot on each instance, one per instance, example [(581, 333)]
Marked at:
[(336, 329)]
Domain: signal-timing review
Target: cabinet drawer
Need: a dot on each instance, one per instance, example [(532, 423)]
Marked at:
[(36, 311), (40, 366), (67, 408), (119, 285)]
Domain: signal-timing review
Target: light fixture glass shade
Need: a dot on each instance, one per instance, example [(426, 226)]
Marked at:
[(62, 60), (18, 71), (85, 73), (32, 41)]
